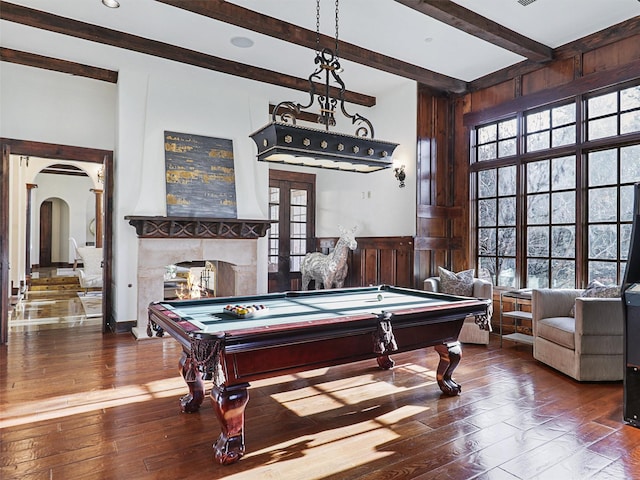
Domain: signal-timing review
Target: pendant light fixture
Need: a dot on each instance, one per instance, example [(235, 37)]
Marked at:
[(283, 141)]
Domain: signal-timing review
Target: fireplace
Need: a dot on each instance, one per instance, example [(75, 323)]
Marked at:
[(164, 241)]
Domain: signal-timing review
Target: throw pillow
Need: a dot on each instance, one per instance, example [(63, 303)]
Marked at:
[(595, 289), (460, 283)]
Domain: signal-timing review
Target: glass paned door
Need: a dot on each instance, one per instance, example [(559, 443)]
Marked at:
[(292, 204)]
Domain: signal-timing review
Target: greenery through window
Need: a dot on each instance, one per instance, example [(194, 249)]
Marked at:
[(554, 205)]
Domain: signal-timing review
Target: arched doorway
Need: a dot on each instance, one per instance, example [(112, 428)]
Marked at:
[(53, 232), (10, 150)]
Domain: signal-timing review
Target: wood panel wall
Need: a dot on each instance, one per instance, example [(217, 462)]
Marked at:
[(442, 225), (444, 233), (377, 260)]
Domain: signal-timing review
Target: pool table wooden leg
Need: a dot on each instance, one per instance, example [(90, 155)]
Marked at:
[(190, 403), (229, 404), (450, 354)]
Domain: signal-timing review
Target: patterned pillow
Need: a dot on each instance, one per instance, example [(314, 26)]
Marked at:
[(598, 290), (460, 283), (595, 289)]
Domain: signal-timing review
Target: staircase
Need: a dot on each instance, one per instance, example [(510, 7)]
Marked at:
[(54, 283)]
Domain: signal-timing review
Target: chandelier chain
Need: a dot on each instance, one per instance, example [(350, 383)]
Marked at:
[(318, 26), (337, 9)]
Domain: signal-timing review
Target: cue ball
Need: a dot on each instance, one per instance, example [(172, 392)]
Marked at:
[(379, 297)]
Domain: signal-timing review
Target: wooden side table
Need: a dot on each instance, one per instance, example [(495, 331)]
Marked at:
[(520, 297)]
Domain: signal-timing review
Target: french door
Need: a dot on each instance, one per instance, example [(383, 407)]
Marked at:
[(292, 204)]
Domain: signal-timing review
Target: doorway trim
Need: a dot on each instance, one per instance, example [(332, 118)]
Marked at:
[(59, 152)]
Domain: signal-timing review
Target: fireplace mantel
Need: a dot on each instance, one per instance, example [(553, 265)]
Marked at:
[(185, 227)]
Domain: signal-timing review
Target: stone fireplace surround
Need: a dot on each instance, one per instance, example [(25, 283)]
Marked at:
[(164, 241)]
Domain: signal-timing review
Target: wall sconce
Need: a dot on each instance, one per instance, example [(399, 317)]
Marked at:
[(26, 160), (400, 175)]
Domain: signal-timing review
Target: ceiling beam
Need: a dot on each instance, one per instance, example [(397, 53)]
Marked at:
[(616, 33), (242, 17), (470, 22), (57, 65), (94, 33)]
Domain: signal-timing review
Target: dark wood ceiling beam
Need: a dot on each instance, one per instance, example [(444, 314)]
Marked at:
[(470, 22), (288, 32), (620, 31), (58, 65), (66, 26)]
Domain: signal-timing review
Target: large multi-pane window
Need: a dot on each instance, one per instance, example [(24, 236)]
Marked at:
[(497, 224), (553, 192), (551, 127), (614, 113), (611, 174), (550, 222)]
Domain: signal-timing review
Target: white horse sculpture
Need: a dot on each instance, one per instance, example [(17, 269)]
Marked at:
[(329, 270)]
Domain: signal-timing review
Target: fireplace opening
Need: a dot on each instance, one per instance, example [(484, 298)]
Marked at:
[(199, 279)]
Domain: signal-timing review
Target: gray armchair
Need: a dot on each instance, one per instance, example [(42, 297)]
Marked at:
[(588, 346), (471, 332)]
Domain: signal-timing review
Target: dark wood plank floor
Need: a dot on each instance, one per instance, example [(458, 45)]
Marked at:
[(77, 404)]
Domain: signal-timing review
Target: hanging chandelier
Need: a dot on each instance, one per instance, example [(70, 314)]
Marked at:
[(283, 141)]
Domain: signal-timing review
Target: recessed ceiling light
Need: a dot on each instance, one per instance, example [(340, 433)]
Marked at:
[(111, 3), (242, 42), (428, 39)]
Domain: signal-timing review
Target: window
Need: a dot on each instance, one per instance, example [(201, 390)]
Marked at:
[(614, 113), (550, 128), (497, 225), (496, 140), (554, 205), (611, 174), (550, 220)]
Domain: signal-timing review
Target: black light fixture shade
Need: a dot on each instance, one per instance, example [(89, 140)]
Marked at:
[(280, 142)]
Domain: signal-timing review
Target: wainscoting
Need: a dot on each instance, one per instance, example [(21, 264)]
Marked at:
[(377, 260)]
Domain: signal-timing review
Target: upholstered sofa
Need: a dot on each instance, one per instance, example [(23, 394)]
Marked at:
[(471, 332), (90, 275), (587, 346)]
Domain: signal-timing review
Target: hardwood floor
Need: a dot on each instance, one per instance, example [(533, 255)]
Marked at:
[(54, 299), (77, 404)]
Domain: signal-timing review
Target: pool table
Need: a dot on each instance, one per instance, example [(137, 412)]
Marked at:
[(235, 340)]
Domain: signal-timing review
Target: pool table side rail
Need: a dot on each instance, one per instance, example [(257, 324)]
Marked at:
[(257, 354), (268, 335)]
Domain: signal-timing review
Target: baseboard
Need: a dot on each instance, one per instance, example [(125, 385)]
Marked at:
[(122, 327)]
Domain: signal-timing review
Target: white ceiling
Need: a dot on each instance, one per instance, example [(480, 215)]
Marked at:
[(384, 26)]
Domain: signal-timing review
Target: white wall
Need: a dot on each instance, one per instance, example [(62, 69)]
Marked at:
[(76, 192), (154, 95), (55, 107)]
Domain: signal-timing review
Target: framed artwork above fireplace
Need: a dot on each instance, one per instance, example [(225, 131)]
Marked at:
[(200, 176)]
